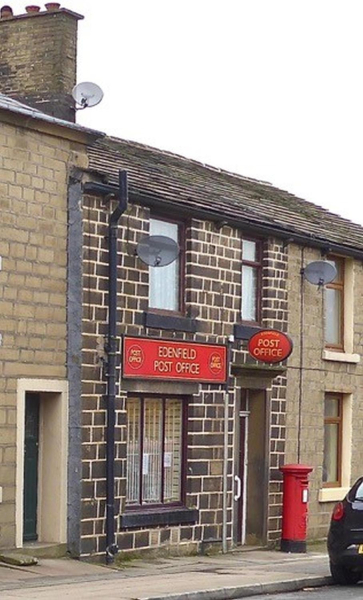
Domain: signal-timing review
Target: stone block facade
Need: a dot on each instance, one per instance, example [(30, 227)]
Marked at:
[(313, 373), (213, 290), (33, 288), (55, 322), (288, 408)]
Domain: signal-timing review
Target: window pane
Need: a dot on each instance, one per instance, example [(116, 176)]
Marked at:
[(332, 406), (133, 452), (333, 316), (249, 250), (173, 451), (338, 264), (331, 446), (164, 281), (249, 293), (152, 452)]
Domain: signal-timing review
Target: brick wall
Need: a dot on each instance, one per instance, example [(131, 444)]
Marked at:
[(213, 284)]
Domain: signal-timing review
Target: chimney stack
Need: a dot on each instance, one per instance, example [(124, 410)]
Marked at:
[(38, 57)]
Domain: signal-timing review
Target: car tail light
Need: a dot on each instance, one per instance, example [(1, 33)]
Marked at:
[(338, 512)]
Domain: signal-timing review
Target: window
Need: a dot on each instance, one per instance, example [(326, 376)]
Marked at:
[(155, 448), (165, 283), (334, 307), (337, 448), (333, 431), (251, 276)]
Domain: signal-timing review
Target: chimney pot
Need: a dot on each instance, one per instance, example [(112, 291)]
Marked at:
[(46, 82), (6, 12), (50, 6)]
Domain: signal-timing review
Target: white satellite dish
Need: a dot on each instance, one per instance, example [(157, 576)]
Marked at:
[(157, 250), (320, 272), (87, 94)]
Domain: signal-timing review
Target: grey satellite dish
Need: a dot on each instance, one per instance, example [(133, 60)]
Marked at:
[(320, 272), (87, 94), (157, 250)]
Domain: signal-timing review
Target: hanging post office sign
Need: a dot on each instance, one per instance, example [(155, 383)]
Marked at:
[(270, 346), (147, 358)]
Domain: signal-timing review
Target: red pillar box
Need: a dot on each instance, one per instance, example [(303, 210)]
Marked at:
[(295, 507)]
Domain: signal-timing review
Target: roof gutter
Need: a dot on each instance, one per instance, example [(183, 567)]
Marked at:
[(289, 235)]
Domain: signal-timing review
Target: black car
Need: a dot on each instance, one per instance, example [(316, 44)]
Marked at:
[(345, 538)]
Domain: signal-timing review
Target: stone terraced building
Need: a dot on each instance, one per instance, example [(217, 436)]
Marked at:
[(114, 396)]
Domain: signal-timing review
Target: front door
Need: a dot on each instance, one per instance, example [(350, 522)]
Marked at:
[(240, 496), (31, 446), (251, 470)]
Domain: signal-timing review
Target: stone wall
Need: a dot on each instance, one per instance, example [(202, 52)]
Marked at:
[(310, 376), (33, 281), (213, 286)]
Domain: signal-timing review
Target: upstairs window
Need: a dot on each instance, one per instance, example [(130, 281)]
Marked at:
[(334, 307), (165, 283), (251, 277)]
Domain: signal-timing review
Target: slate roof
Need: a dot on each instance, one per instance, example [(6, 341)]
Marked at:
[(188, 184)]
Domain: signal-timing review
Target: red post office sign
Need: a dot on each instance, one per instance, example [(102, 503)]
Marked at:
[(270, 346), (163, 359)]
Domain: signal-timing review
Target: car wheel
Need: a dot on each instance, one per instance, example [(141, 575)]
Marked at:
[(343, 575)]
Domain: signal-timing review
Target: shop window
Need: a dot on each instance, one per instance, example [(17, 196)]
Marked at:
[(155, 450), (166, 283), (333, 430), (334, 307), (251, 281)]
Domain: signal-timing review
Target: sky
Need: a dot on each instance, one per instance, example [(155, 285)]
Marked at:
[(269, 89)]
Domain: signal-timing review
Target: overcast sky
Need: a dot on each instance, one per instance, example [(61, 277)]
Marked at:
[(270, 89)]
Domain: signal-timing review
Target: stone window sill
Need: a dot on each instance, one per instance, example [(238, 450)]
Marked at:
[(332, 494), (171, 322), (340, 356), (150, 518)]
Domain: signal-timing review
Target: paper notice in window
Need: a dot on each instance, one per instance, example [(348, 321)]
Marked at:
[(167, 459), (145, 464)]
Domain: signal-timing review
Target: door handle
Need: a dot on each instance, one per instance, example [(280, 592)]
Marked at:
[(239, 487)]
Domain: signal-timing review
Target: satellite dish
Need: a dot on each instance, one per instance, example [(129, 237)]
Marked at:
[(157, 250), (320, 272), (87, 94)]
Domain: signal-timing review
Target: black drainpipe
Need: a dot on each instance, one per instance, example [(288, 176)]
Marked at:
[(111, 546)]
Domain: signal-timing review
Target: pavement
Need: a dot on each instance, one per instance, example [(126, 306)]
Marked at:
[(238, 574)]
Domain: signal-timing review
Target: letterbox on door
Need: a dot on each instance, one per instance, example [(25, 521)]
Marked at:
[(295, 507)]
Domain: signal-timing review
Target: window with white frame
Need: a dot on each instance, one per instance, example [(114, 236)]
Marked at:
[(251, 278), (166, 283), (155, 451)]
